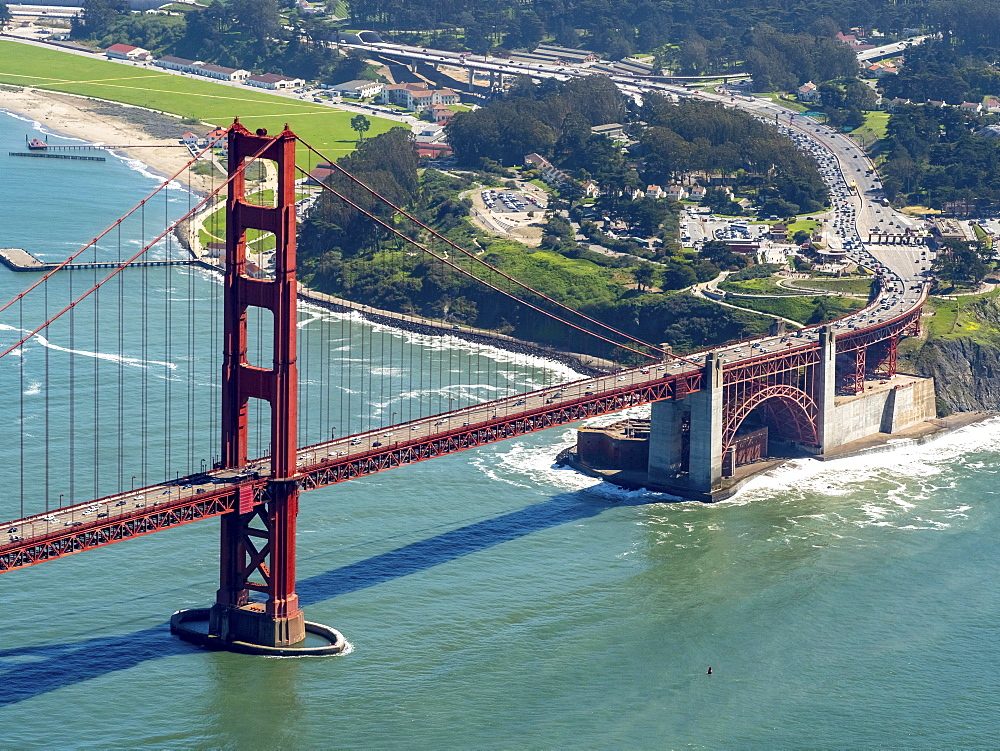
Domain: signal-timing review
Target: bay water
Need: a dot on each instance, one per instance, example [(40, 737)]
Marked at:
[(494, 601)]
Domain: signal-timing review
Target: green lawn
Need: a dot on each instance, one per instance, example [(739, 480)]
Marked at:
[(326, 129), (799, 308), (765, 286), (809, 225), (848, 285), (872, 131)]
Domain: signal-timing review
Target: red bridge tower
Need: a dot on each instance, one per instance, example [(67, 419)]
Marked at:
[(258, 536)]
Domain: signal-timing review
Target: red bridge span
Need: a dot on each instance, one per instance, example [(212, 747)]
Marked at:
[(700, 403)]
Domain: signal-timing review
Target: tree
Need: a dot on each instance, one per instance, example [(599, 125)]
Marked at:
[(97, 18), (5, 16), (360, 123), (959, 261), (643, 275)]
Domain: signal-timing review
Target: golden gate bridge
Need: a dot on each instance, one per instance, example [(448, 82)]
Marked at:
[(277, 439)]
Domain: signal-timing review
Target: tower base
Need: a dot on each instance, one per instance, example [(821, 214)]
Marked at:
[(251, 624), (251, 632)]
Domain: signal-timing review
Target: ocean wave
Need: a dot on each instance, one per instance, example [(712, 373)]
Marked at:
[(134, 362)]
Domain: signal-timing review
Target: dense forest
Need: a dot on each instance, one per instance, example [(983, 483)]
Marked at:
[(944, 70), (676, 139), (696, 136), (933, 155)]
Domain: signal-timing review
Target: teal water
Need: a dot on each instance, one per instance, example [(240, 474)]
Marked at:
[(495, 602)]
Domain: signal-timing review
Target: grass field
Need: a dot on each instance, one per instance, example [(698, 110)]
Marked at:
[(971, 316), (327, 129), (779, 98), (873, 131), (765, 286), (799, 308), (850, 286)]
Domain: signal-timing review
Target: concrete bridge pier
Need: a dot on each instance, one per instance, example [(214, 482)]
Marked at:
[(685, 439), (826, 388)]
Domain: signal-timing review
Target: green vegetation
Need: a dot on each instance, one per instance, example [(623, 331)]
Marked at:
[(786, 101), (969, 316), (954, 70), (873, 131), (766, 286), (807, 310), (343, 253), (961, 265), (846, 285), (932, 156), (327, 129)]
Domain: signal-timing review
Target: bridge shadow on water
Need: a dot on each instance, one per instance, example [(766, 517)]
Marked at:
[(26, 672)]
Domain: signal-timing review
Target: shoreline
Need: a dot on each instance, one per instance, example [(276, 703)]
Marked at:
[(917, 435), (75, 117), (98, 121)]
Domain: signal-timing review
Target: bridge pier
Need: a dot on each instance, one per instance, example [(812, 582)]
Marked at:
[(826, 387), (685, 439)]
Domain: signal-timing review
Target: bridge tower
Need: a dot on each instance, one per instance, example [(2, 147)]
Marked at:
[(258, 538)]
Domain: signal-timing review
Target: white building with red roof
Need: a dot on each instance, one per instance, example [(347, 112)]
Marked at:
[(127, 52), (273, 81)]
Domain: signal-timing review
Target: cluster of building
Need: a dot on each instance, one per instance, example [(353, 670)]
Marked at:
[(416, 97), (855, 41), (673, 192), (201, 68)]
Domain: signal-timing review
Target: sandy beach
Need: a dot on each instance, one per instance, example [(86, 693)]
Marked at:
[(104, 122)]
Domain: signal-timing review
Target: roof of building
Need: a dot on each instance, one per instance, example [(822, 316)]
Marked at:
[(177, 60), (271, 78), (321, 172), (218, 68), (357, 83), (123, 48)]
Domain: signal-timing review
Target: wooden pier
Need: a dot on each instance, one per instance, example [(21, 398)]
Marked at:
[(46, 155), (19, 260)]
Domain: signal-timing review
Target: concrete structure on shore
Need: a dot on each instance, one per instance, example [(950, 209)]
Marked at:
[(704, 444)]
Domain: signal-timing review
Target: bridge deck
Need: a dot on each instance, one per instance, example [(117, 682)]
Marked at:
[(83, 526), (125, 515)]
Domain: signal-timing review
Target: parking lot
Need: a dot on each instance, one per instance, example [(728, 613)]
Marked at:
[(511, 202)]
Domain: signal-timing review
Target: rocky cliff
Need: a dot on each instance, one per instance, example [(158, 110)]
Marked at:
[(965, 364)]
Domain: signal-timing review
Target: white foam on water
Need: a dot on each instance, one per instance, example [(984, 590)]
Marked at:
[(34, 388), (136, 166), (134, 362), (445, 342)]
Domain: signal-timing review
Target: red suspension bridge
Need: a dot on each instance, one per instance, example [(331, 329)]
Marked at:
[(278, 425)]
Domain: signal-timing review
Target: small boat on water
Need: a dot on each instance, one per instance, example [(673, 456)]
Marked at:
[(35, 143)]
